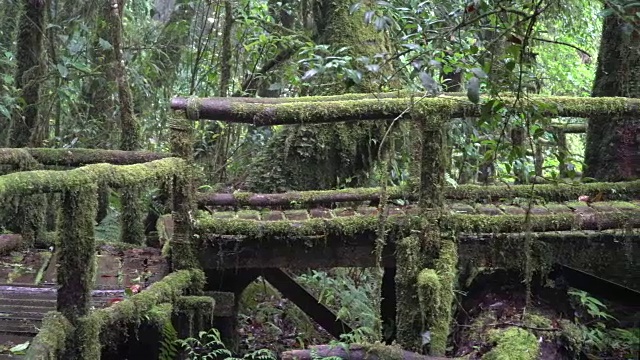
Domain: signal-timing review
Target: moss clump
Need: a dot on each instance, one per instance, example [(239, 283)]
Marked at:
[(51, 340), (445, 267), (513, 344), (114, 320), (409, 319)]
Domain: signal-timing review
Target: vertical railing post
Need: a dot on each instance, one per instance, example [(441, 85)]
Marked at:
[(76, 252), (561, 143), (426, 263), (183, 254)]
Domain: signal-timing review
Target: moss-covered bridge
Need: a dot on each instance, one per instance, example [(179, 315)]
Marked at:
[(214, 245)]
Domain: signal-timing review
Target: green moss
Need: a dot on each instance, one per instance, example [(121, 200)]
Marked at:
[(132, 216), (537, 320), (40, 181), (409, 320), (114, 319), (445, 267), (513, 344), (18, 158), (76, 252), (352, 225), (51, 339), (373, 109)]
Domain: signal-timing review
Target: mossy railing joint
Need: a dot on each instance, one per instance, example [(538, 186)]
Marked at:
[(51, 341), (106, 328), (475, 193), (314, 112), (183, 252)]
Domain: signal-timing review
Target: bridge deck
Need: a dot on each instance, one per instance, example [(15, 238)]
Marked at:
[(576, 232)]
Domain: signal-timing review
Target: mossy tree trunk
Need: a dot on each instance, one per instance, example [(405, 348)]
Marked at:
[(9, 13), (305, 157), (130, 138), (27, 128), (613, 145)]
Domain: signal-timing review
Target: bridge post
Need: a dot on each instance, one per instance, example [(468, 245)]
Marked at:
[(183, 255), (426, 262)]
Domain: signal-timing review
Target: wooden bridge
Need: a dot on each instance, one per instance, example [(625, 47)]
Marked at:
[(234, 238)]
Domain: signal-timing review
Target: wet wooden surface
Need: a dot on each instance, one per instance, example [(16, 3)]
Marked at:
[(28, 287)]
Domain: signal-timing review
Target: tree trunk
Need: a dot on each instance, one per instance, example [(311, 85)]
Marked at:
[(26, 126), (306, 157), (9, 13), (613, 145)]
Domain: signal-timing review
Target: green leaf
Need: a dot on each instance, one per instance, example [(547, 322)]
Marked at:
[(104, 44), (62, 70), (20, 348)]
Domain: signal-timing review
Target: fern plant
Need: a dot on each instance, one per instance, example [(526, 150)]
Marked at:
[(209, 345), (168, 348)]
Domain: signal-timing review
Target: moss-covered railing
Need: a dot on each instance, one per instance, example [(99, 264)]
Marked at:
[(105, 329), (426, 259), (76, 238), (75, 157), (31, 210), (473, 193), (445, 107)]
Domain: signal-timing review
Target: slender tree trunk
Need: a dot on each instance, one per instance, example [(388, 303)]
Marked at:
[(26, 126), (613, 145), (9, 13)]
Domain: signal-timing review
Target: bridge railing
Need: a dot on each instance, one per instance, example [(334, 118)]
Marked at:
[(426, 261), (75, 244)]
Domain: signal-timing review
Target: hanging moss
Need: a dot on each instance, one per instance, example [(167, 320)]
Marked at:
[(446, 269), (51, 340), (76, 252), (409, 320), (513, 344), (114, 320), (194, 314)]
